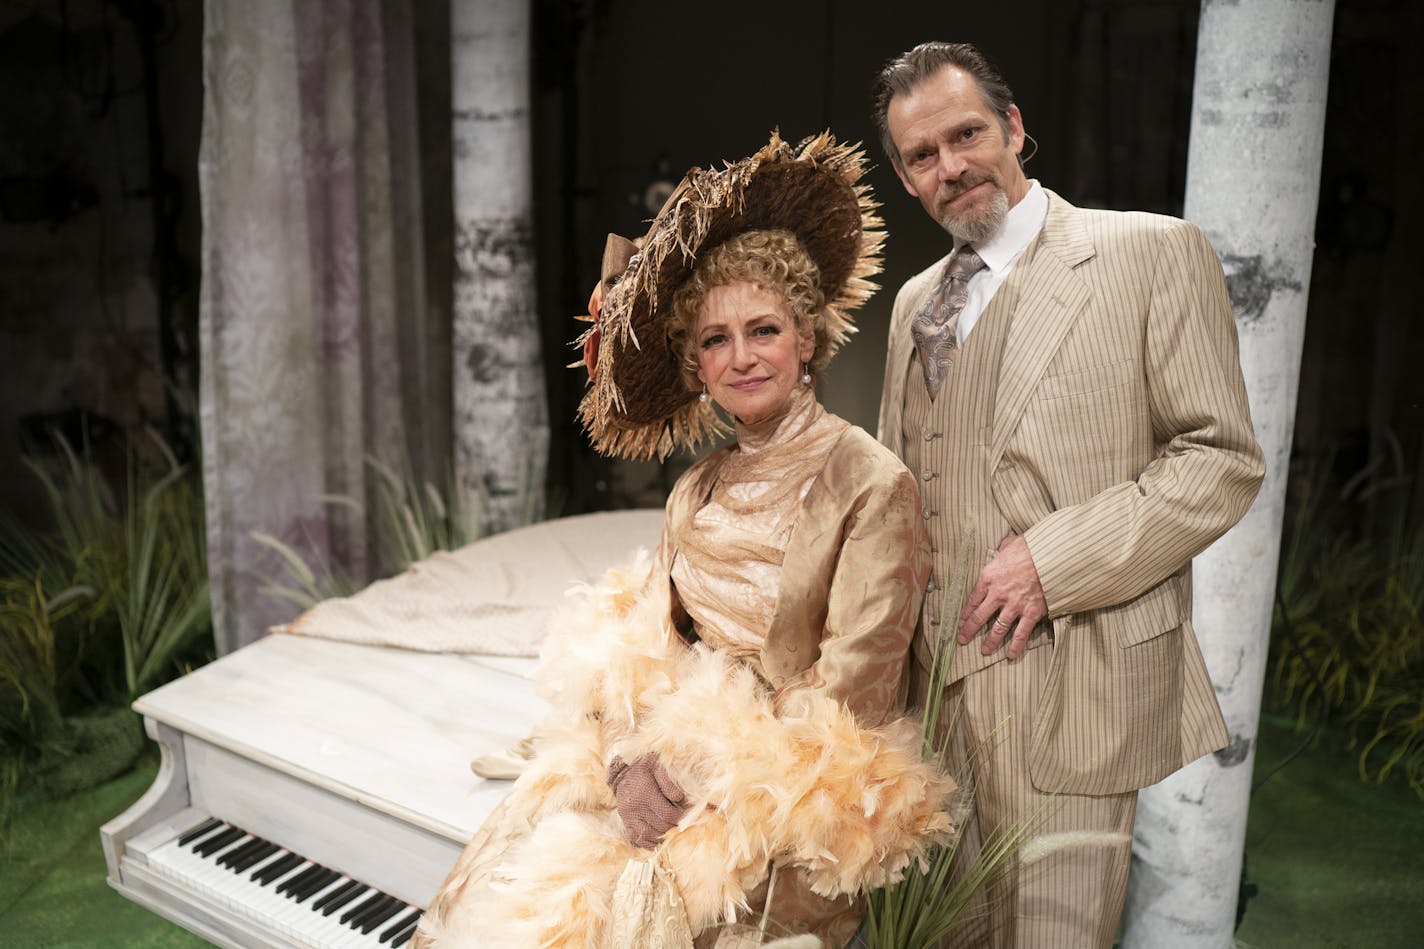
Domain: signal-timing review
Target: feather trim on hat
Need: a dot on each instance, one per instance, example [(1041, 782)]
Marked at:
[(798, 782), (638, 405)]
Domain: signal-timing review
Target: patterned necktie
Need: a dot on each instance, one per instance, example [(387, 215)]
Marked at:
[(934, 325)]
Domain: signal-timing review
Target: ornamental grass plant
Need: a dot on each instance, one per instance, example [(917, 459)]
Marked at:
[(1347, 646), (107, 601), (410, 519), (935, 897)]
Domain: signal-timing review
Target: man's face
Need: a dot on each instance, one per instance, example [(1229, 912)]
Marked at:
[(954, 156)]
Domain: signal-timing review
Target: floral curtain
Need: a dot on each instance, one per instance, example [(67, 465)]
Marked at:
[(312, 309)]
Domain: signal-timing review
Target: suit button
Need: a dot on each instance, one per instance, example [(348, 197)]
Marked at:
[(927, 474), (930, 587)]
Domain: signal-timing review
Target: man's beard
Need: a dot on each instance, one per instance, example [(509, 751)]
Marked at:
[(975, 228)]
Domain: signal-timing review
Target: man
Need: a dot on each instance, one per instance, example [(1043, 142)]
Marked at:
[(1066, 384)]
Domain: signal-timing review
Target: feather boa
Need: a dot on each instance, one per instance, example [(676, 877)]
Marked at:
[(798, 782)]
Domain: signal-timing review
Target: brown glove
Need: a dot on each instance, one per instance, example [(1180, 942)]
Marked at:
[(650, 802)]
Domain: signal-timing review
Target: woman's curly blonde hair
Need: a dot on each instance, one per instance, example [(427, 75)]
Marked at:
[(772, 260)]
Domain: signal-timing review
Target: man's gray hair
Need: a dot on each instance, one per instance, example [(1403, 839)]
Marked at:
[(906, 71)]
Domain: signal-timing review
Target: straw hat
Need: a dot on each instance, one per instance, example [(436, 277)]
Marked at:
[(638, 405)]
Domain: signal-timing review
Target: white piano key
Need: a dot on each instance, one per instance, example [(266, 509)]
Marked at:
[(277, 912), (403, 919), (316, 929), (312, 925), (237, 891), (372, 938), (358, 906), (183, 863), (360, 940), (342, 933), (275, 906), (263, 737)]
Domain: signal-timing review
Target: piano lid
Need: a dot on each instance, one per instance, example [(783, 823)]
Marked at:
[(290, 703)]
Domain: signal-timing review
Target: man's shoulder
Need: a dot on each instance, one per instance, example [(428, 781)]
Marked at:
[(1105, 226)]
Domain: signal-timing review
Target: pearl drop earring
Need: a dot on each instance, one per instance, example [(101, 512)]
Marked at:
[(704, 396), (805, 374)]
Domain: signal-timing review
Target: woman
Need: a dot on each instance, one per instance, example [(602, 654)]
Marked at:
[(722, 746)]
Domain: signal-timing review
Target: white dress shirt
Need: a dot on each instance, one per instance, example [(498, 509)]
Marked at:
[(1001, 252)]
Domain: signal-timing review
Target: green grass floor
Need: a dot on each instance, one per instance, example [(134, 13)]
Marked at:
[(1338, 863), (53, 890)]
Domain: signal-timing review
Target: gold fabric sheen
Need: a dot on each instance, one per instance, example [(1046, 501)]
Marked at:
[(852, 575), (851, 580), (647, 910), (853, 565), (728, 567)]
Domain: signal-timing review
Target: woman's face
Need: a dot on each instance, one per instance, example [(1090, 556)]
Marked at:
[(749, 353)]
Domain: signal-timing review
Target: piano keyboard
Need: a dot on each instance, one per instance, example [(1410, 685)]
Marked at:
[(258, 879)]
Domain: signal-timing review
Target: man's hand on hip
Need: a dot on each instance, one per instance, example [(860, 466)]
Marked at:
[(1008, 585)]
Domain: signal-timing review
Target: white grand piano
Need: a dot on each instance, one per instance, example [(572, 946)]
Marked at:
[(314, 792)]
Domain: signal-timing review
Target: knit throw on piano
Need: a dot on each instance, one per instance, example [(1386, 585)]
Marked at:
[(795, 780)]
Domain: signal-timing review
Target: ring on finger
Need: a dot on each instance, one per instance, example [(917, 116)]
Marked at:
[(1000, 624)]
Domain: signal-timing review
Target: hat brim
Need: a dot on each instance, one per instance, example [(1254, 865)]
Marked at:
[(639, 405)]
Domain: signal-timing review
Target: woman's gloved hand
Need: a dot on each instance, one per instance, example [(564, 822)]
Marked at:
[(650, 802)]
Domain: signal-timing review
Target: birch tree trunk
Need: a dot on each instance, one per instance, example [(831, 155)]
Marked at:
[(501, 415), (1253, 181)]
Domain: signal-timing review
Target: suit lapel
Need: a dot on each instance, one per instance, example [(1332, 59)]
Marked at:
[(901, 345), (1051, 297)]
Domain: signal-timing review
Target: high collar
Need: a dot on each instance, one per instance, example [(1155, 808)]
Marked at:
[(1021, 225), (799, 413)]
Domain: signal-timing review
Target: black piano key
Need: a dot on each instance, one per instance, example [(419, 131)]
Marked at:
[(280, 875), (213, 844), (409, 919), (289, 879), (199, 846), (298, 879), (362, 908), (277, 868), (402, 937), (263, 867), (202, 830), (329, 886), (240, 851), (377, 913), (359, 891), (366, 907), (315, 885), (219, 852), (255, 857), (337, 893), (380, 916)]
